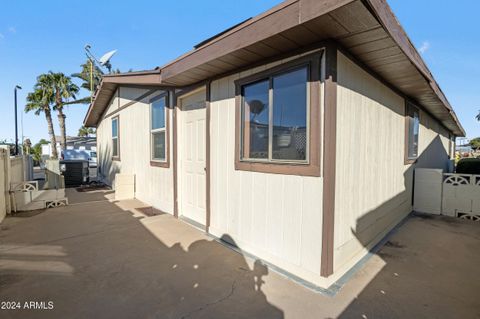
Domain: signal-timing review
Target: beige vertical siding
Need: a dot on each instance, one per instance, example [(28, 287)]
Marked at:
[(433, 144), (373, 184), (276, 217), (279, 217), (153, 185)]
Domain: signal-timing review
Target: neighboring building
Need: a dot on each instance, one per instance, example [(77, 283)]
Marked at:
[(296, 133)]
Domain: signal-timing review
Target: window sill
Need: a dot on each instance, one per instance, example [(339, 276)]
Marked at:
[(160, 164), (300, 169), (116, 158)]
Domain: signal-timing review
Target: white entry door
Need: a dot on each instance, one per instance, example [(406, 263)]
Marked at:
[(192, 168)]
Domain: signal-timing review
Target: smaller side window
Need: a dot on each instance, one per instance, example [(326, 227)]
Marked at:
[(115, 138), (413, 122), (158, 134)]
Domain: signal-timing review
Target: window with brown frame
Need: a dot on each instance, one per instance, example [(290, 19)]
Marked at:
[(159, 131), (412, 132), (116, 138), (278, 119)]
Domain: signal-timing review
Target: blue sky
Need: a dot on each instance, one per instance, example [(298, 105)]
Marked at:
[(38, 36)]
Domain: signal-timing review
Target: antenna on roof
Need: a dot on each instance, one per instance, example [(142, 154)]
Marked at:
[(104, 60)]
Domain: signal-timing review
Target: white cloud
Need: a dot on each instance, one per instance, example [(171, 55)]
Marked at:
[(12, 30), (425, 47)]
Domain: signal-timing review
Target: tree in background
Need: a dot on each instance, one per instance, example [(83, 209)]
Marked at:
[(86, 131), (36, 150), (64, 90), (85, 76), (39, 102), (27, 146), (475, 143), (478, 116)]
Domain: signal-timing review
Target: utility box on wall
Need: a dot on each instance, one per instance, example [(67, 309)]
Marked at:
[(427, 196)]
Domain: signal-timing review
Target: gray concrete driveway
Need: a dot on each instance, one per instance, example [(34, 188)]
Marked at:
[(101, 259)]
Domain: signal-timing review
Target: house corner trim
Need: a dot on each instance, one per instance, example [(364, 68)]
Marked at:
[(329, 159)]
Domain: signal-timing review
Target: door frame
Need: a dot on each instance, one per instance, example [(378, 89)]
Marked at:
[(177, 97)]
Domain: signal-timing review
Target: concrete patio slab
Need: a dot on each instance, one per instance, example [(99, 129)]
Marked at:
[(104, 259)]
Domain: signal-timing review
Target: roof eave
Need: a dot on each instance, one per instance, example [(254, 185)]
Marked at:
[(189, 68)]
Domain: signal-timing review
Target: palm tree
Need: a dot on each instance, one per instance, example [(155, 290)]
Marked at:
[(64, 89), (39, 101), (85, 131), (85, 76), (478, 116)]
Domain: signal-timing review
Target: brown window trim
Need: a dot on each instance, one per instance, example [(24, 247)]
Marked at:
[(411, 160), (153, 162), (116, 157), (312, 167)]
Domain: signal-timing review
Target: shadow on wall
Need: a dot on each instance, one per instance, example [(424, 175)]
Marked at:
[(106, 167), (365, 230), (103, 262), (416, 291)]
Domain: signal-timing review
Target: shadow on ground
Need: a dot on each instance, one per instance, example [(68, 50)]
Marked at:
[(103, 259), (96, 260)]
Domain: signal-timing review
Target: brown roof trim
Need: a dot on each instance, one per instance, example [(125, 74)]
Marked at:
[(132, 73), (281, 18), (365, 68), (117, 86), (382, 11), (148, 79), (90, 107), (239, 27)]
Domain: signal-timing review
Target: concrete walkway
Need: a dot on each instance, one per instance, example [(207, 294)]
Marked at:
[(101, 259)]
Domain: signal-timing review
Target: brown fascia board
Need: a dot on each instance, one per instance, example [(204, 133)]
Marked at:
[(290, 14), (91, 106), (146, 79), (150, 77), (141, 78), (233, 30), (382, 11), (282, 17)]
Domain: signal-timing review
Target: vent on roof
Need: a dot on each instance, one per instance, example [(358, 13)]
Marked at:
[(219, 34)]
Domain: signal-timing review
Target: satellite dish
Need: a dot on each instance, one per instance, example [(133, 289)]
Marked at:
[(105, 59)]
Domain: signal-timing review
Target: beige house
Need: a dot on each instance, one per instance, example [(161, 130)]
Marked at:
[(295, 133)]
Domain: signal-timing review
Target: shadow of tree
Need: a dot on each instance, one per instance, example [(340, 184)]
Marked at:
[(104, 262)]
